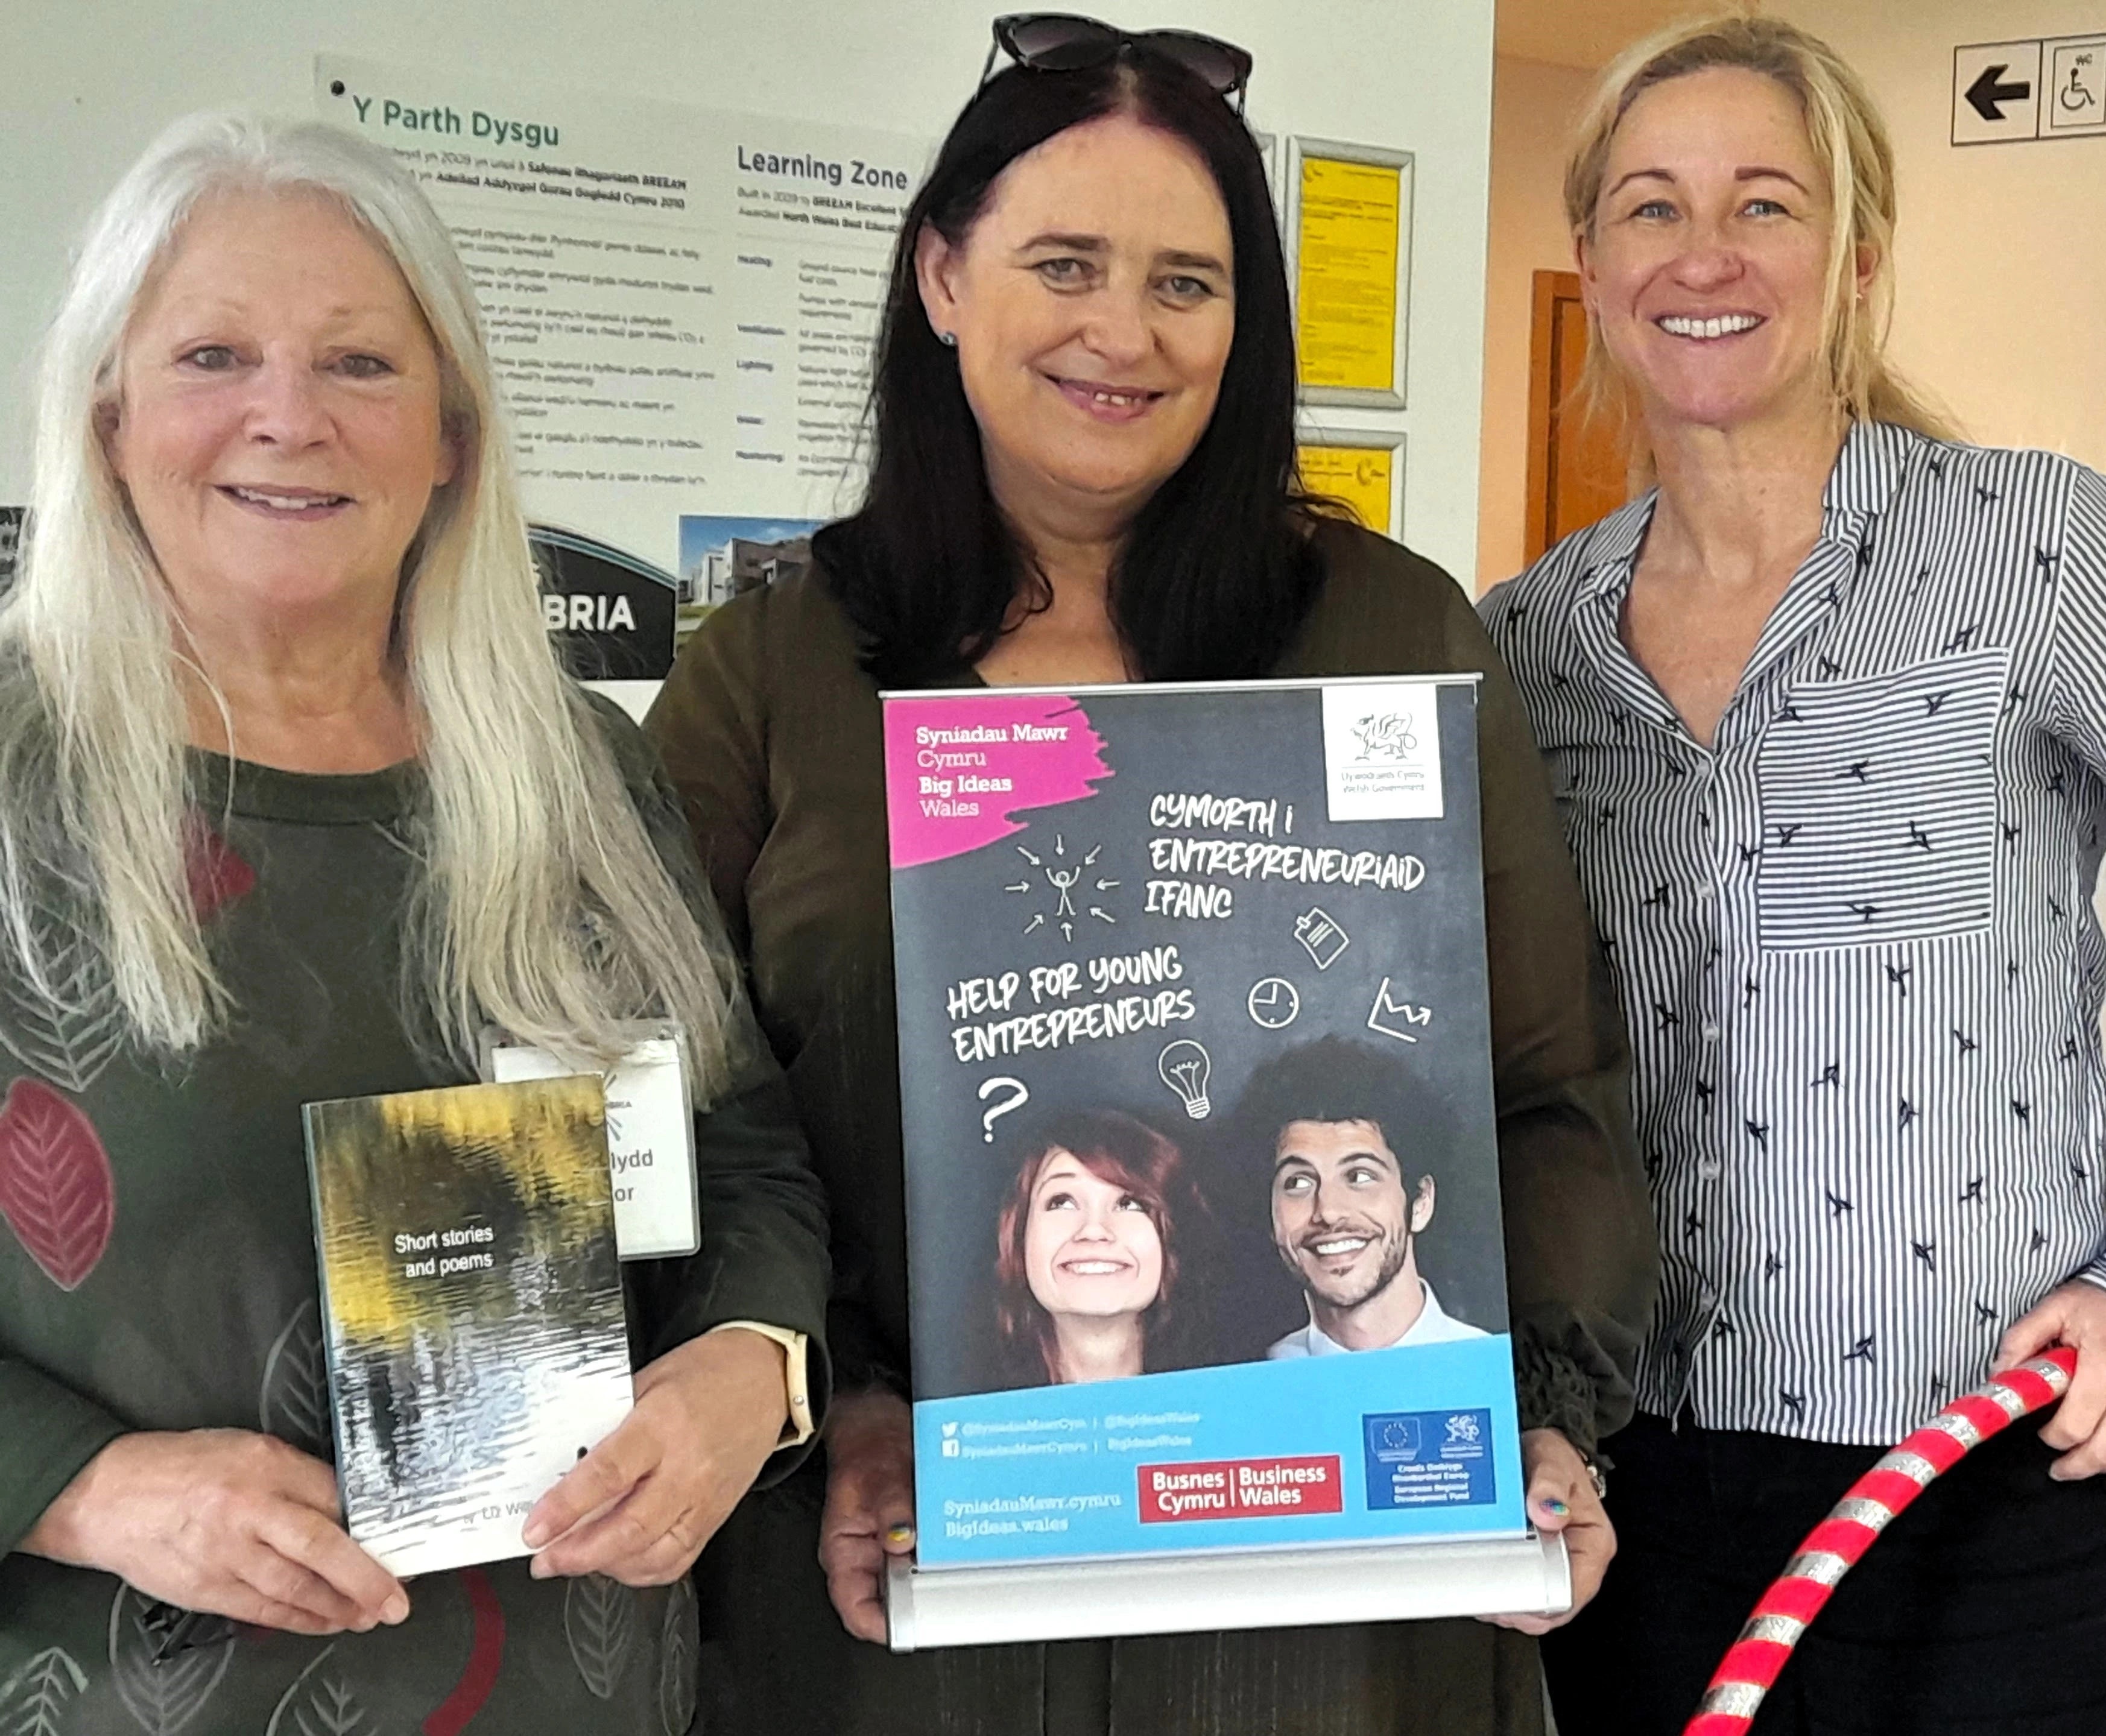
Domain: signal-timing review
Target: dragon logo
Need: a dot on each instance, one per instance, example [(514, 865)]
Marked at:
[(1384, 735)]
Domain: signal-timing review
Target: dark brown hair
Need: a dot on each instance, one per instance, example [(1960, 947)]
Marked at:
[(1219, 567)]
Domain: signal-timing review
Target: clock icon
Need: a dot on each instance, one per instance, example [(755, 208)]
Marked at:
[(1274, 1003)]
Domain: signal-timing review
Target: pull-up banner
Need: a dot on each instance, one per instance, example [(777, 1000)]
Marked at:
[(1201, 1179)]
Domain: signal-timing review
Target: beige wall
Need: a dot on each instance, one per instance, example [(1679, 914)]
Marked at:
[(1533, 105), (2001, 253)]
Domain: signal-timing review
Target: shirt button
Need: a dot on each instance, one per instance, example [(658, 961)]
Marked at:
[(1708, 1168), (1710, 1033)]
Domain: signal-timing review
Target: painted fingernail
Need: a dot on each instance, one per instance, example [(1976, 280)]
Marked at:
[(900, 1536), (1555, 1508), (395, 1610)]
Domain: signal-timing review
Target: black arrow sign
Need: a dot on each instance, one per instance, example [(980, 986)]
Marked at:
[(1985, 92)]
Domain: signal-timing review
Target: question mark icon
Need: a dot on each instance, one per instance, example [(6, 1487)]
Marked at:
[(988, 1087)]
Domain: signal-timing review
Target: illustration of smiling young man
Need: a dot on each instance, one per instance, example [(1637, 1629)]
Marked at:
[(1348, 1205)]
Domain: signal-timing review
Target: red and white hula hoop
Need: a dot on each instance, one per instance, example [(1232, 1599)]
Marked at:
[(1832, 1548)]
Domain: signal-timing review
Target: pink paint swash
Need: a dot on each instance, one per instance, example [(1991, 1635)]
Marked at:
[(947, 760)]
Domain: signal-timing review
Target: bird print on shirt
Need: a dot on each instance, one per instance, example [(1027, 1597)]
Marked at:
[(1892, 835)]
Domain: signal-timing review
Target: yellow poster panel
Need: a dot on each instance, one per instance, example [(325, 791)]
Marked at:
[(1360, 476), (1346, 270)]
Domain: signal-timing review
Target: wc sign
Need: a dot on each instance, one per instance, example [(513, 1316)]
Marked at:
[(610, 614), (2051, 87)]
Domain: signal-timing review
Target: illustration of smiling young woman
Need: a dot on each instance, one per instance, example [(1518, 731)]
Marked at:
[(1086, 1263)]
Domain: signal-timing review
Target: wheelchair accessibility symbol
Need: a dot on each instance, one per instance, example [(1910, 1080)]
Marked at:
[(2079, 87)]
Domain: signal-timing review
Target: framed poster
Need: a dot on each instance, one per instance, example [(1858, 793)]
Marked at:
[(1349, 233), (1362, 468)]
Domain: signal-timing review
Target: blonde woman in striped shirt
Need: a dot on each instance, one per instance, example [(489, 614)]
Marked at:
[(1823, 703)]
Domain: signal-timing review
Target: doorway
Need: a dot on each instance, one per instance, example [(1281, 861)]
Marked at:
[(1575, 467)]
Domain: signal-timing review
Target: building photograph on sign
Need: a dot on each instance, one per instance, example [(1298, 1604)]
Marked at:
[(722, 557)]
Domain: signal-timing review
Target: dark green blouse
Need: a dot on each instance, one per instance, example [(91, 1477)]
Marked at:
[(157, 1271), (770, 731)]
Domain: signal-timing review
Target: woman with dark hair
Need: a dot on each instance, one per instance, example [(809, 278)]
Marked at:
[(1084, 472), (1086, 1251)]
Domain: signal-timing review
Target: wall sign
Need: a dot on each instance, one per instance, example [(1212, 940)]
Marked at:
[(2052, 87), (1349, 224), (610, 613), (1361, 468)]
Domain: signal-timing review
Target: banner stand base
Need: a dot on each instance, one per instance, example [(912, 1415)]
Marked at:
[(1198, 1594)]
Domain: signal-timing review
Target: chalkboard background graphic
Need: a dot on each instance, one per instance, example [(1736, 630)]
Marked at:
[(1070, 883)]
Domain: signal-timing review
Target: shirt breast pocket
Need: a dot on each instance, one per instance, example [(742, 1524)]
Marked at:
[(1879, 803)]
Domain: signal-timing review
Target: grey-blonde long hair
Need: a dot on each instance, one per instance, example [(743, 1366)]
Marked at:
[(1853, 151), (545, 909)]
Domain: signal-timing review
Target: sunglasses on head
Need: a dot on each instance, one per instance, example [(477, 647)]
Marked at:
[(1060, 41)]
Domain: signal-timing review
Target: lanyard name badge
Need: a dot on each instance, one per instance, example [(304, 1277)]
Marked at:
[(650, 1133)]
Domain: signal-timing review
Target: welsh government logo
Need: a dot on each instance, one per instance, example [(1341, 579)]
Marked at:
[(1385, 736)]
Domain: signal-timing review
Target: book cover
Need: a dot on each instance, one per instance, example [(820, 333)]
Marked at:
[(1203, 1184), (472, 1308)]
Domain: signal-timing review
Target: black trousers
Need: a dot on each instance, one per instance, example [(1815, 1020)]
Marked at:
[(1980, 1611)]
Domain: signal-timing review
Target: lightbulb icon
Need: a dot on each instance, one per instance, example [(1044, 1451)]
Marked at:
[(1185, 1066)]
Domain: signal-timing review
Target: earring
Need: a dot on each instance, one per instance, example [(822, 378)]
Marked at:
[(949, 340)]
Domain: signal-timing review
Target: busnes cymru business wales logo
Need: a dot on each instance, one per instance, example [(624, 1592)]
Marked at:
[(1383, 735)]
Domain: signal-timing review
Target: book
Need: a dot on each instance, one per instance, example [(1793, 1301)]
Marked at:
[(1205, 1252), (471, 1306)]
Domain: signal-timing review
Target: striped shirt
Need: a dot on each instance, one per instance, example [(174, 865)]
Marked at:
[(1854, 937)]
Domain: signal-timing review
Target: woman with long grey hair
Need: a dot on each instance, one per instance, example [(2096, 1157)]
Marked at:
[(294, 804)]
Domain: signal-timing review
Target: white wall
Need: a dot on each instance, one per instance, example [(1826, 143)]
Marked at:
[(1534, 104), (90, 82)]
